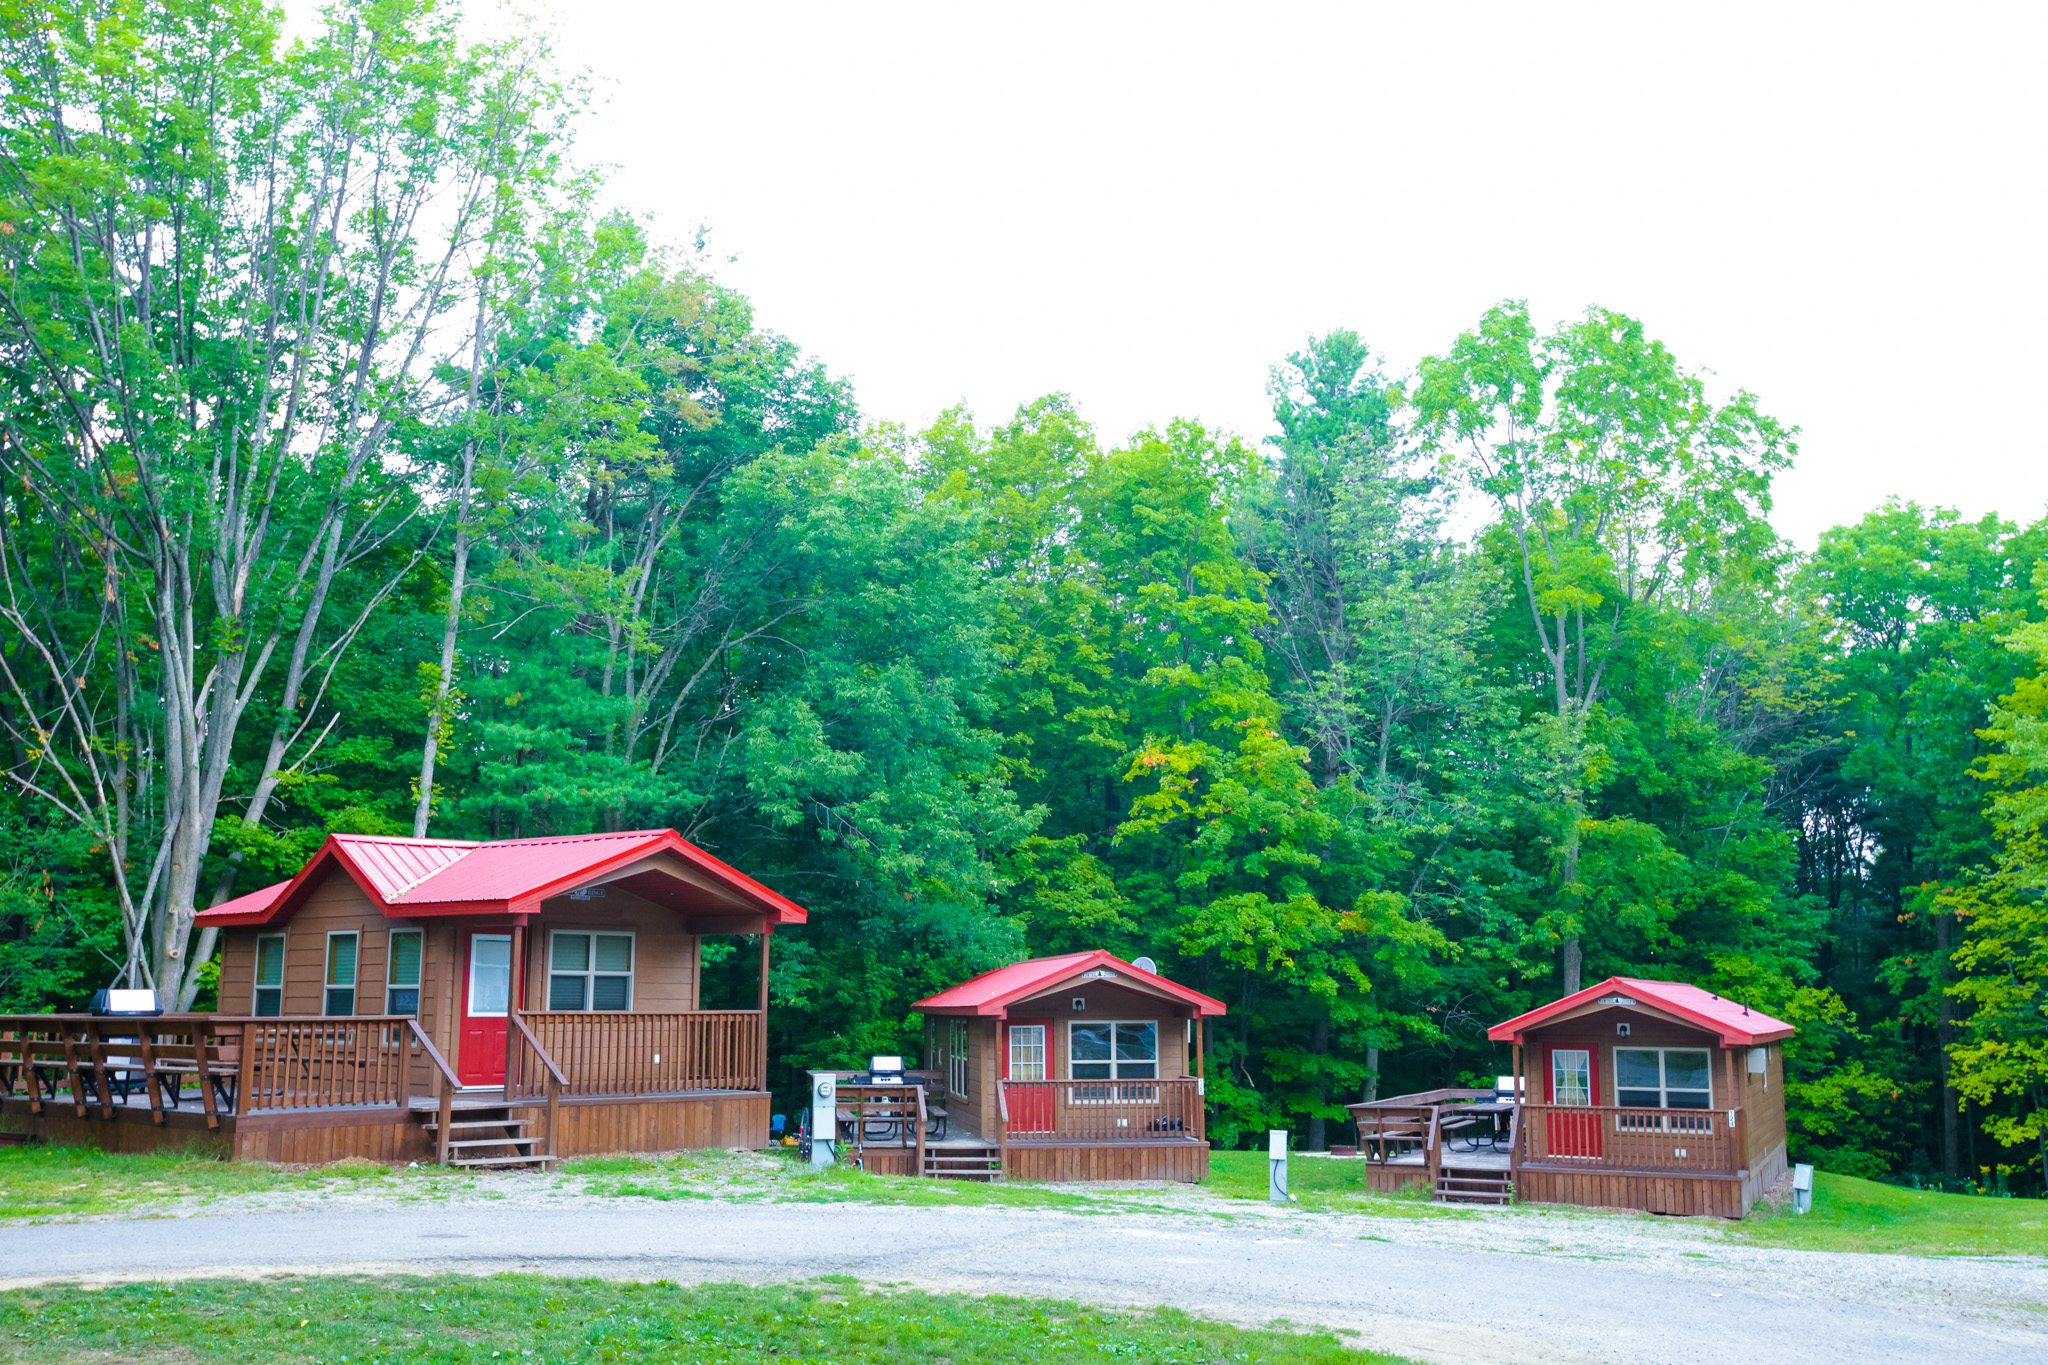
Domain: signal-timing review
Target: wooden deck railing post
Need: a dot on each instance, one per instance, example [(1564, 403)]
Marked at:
[(761, 1024), (1003, 1125), (920, 1121), (245, 1081), (1434, 1148), (1514, 1145)]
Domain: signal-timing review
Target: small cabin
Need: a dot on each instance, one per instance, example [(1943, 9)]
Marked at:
[(1078, 1067), (1652, 1095), (492, 1003)]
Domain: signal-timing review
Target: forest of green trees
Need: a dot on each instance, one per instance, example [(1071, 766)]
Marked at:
[(364, 472)]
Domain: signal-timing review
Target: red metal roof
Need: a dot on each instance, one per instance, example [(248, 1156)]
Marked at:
[(410, 878), (1738, 1025), (993, 992)]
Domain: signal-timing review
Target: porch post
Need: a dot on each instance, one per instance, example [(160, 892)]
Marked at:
[(512, 1004), (1198, 1048), (767, 934)]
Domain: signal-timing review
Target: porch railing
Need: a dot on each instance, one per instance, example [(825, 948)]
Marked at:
[(641, 1054), (213, 1064), (1606, 1137), (1103, 1111)]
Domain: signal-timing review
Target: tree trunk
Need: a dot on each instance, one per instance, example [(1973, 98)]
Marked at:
[(1570, 958), (1318, 1047), (1944, 1035), (1372, 1073)]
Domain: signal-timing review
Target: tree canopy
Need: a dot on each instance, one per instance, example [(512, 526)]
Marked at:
[(364, 472)]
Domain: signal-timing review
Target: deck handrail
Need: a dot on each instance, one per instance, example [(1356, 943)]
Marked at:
[(1632, 1137), (557, 1082), (554, 1072), (1166, 1110), (630, 1052)]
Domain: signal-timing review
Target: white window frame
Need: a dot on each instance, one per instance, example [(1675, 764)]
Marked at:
[(1114, 1063), (390, 964), (1044, 1050), (959, 1046), (1663, 1088), (256, 977), (355, 976), (590, 973), (1556, 1097)]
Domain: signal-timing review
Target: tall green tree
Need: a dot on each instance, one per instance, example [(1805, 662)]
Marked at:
[(226, 271), (1618, 484)]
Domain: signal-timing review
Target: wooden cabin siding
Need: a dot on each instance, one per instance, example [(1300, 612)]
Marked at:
[(237, 970), (1764, 1103), (336, 905), (1111, 1003), (664, 954), (986, 1069)]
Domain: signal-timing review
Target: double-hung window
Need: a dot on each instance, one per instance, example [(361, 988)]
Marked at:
[(341, 974), (402, 972), (588, 971), (269, 1000), (1663, 1078)]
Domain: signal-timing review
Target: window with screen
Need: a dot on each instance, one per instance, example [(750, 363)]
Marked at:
[(1663, 1078), (402, 972), (1113, 1051), (590, 971), (269, 1001), (341, 974)]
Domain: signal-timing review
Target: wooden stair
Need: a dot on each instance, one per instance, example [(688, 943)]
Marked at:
[(1473, 1185), (983, 1162), (490, 1139)]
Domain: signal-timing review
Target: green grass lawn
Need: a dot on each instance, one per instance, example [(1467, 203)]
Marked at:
[(40, 1182), (1318, 1182), (524, 1318), (1862, 1215)]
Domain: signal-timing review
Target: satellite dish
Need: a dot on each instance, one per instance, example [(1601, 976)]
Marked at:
[(1146, 964)]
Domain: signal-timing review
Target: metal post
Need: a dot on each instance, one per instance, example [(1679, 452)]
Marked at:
[(1276, 1175)]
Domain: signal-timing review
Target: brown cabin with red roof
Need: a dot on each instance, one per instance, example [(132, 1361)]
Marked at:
[(491, 1003), (1640, 1094), (1080, 1067)]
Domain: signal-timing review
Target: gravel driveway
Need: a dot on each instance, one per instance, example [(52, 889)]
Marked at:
[(1542, 1291)]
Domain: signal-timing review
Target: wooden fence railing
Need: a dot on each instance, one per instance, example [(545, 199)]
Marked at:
[(882, 1116), (1601, 1137), (325, 1063), (1102, 1111), (211, 1063), (642, 1054), (219, 1065)]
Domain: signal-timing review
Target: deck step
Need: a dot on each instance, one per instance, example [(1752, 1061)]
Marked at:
[(492, 1142), (964, 1163), (479, 1123), (1474, 1189), (501, 1160)]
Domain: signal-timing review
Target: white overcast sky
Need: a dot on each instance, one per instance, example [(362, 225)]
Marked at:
[(1838, 207)]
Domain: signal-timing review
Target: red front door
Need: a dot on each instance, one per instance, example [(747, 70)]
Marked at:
[(1027, 1054), (1572, 1078), (486, 992)]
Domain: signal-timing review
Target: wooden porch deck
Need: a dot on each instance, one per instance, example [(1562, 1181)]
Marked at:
[(1681, 1161), (1054, 1145), (313, 1090)]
